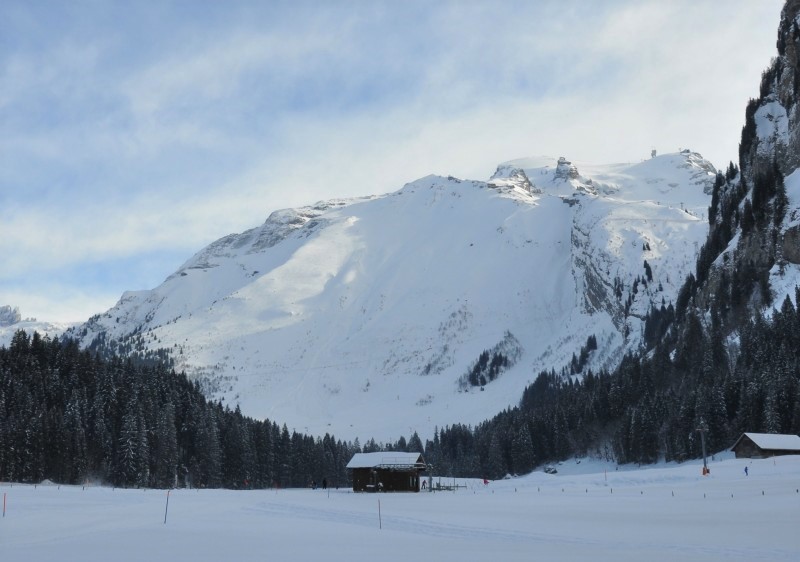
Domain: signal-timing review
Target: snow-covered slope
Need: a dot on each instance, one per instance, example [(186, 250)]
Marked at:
[(364, 317)]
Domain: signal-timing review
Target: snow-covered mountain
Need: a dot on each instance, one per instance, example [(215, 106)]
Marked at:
[(366, 317), (11, 320)]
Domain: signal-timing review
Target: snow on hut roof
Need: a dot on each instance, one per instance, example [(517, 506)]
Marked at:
[(773, 441), (389, 459)]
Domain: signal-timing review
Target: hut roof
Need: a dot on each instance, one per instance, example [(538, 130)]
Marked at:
[(389, 459), (772, 441)]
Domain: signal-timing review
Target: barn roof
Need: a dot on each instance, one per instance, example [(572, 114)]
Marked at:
[(389, 459), (773, 441)]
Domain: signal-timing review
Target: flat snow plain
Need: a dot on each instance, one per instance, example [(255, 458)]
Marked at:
[(588, 511)]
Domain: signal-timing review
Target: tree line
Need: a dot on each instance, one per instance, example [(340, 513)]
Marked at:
[(69, 415)]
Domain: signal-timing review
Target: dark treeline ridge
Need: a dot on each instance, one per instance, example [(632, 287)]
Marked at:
[(68, 415)]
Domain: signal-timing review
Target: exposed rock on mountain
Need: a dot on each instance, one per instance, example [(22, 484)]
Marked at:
[(9, 315)]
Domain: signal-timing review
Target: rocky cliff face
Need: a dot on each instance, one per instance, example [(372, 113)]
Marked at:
[(771, 135), (752, 255), (787, 92), (787, 85), (776, 144)]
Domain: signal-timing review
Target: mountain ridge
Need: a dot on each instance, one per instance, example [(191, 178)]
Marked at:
[(345, 311)]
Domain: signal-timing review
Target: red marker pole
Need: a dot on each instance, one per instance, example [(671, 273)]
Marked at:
[(4, 504), (166, 508)]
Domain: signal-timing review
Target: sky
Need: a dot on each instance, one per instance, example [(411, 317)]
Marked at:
[(132, 134)]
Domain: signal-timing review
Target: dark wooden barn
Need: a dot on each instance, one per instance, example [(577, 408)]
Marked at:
[(762, 445), (386, 472)]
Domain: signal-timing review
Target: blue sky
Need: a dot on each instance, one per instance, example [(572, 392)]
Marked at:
[(132, 133)]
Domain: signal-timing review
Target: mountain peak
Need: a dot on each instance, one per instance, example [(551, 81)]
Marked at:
[(566, 170), (9, 315), (331, 316), (668, 179), (510, 178)]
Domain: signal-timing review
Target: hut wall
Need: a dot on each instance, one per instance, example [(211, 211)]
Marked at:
[(747, 449), (399, 480), (362, 478), (377, 479)]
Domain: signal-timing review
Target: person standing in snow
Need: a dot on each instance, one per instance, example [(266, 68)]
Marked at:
[(745, 472)]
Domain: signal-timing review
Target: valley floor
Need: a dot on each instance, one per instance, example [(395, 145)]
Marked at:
[(585, 512)]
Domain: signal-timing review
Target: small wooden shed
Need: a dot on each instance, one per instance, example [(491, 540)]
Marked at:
[(761, 445), (387, 471)]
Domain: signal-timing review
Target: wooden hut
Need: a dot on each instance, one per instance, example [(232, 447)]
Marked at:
[(386, 472), (761, 445)]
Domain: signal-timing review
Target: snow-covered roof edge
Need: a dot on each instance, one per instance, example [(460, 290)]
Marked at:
[(772, 441), (392, 459)]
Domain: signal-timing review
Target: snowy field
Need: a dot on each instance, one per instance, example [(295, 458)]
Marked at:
[(581, 513)]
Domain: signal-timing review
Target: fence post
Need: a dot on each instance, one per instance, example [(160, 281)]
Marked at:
[(166, 508)]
